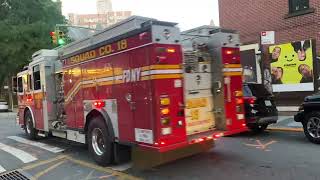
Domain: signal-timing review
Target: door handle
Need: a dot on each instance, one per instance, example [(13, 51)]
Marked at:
[(132, 104)]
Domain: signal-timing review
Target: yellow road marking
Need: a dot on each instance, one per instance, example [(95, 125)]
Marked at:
[(103, 169), (286, 129), (64, 158), (261, 146), (40, 163), (41, 173)]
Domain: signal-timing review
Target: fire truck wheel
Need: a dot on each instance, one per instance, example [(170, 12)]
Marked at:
[(100, 144), (29, 127)]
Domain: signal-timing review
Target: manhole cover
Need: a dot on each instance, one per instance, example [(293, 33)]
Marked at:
[(14, 175)]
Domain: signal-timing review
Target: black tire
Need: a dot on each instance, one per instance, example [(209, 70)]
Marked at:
[(31, 132), (311, 127), (258, 128), (100, 146)]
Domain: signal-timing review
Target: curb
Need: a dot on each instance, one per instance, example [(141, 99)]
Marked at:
[(285, 129)]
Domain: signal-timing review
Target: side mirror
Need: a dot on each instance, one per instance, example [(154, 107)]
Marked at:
[(14, 84)]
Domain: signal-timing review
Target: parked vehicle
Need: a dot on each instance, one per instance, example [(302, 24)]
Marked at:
[(260, 107), (3, 105), (309, 116)]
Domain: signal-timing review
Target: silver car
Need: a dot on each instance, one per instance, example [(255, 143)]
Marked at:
[(3, 106)]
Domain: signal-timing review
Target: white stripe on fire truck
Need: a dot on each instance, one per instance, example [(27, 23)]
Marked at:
[(23, 156), (2, 169), (232, 69), (154, 72), (37, 144)]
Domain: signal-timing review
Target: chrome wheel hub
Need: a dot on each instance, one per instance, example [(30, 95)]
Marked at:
[(313, 127), (29, 126), (98, 142)]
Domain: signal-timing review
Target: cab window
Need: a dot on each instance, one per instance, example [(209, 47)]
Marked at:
[(20, 86), (36, 78)]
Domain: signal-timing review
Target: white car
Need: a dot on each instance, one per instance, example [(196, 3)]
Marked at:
[(3, 106)]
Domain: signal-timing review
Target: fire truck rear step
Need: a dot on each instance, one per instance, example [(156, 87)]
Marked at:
[(146, 158)]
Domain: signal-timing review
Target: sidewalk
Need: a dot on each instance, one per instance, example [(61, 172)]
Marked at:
[(286, 123)]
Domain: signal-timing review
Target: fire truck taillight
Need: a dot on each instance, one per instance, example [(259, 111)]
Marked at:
[(239, 101), (99, 104), (231, 55), (165, 101), (165, 111), (29, 99), (165, 121), (171, 50), (238, 93)]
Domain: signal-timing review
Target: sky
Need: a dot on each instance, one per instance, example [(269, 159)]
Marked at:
[(188, 13)]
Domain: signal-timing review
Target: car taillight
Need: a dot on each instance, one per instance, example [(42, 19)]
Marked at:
[(251, 100)]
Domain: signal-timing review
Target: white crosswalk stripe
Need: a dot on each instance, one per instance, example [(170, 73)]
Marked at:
[(23, 156), (2, 169), (37, 144)]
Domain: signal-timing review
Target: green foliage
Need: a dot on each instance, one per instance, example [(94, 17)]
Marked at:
[(24, 28)]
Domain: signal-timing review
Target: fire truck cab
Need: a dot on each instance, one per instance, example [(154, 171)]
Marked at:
[(139, 87)]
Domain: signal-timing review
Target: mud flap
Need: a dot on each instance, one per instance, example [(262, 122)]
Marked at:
[(145, 159)]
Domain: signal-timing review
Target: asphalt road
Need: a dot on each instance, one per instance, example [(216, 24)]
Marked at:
[(270, 155)]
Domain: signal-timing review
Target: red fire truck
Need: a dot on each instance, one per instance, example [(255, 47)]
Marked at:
[(140, 87)]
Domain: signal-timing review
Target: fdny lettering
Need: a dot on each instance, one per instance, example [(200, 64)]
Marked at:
[(131, 75)]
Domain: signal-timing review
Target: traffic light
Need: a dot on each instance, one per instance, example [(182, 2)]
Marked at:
[(61, 38), (53, 37)]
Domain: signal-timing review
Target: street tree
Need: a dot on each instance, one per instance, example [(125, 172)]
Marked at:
[(24, 29)]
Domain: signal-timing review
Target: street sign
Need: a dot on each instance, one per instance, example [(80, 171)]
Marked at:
[(5, 87), (267, 37)]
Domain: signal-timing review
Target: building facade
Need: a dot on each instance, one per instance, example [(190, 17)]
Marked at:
[(98, 20), (104, 6), (293, 22), (288, 19), (105, 16)]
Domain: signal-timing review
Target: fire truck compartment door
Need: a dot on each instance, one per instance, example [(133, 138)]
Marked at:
[(197, 81), (199, 112)]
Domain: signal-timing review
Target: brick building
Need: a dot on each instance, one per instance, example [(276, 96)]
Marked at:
[(250, 17), (292, 20)]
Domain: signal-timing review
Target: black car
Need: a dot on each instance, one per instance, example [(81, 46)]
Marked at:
[(260, 108), (309, 116)]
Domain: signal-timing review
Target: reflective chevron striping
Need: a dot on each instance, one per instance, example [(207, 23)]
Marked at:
[(23, 156), (37, 144), (2, 169)]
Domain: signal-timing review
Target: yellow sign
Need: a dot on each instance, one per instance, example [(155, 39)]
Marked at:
[(292, 63)]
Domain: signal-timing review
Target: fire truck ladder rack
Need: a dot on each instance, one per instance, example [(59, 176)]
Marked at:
[(118, 29)]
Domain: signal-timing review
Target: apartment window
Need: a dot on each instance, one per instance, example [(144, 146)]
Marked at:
[(298, 5)]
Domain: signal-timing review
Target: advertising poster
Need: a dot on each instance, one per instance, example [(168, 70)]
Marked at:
[(292, 66)]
